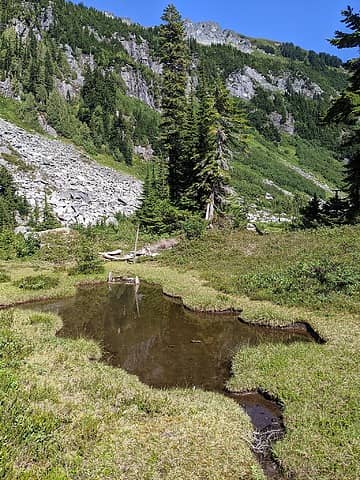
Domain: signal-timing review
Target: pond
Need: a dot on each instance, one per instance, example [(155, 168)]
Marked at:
[(165, 344)]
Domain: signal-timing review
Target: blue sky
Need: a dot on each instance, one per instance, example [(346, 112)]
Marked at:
[(307, 23)]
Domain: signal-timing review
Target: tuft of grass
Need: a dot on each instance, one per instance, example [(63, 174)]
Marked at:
[(37, 282), (4, 277), (15, 159), (40, 318)]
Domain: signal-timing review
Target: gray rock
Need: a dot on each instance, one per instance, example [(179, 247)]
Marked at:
[(146, 152), (47, 17), (46, 127), (285, 126), (79, 190), (6, 89), (211, 33), (140, 52), (243, 83), (137, 86)]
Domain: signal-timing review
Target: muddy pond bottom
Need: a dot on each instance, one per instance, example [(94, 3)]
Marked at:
[(164, 344)]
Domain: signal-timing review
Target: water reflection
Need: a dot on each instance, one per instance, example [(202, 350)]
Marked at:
[(156, 338)]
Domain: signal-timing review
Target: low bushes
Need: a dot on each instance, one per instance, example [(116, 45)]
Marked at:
[(37, 282)]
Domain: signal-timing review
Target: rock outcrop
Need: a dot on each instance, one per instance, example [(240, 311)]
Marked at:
[(243, 84), (211, 33), (284, 125), (140, 52), (137, 86), (78, 189)]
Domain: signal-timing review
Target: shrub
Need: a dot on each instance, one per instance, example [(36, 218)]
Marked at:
[(16, 245), (194, 227), (160, 217), (37, 282), (303, 282), (87, 262), (58, 247)]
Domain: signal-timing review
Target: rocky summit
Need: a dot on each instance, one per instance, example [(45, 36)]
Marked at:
[(78, 189)]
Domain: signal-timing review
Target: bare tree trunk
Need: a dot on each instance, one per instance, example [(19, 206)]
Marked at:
[(136, 242), (210, 209)]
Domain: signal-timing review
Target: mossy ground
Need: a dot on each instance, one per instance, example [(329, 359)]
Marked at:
[(103, 427)]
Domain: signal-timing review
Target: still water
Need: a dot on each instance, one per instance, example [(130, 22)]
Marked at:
[(156, 338), (166, 345)]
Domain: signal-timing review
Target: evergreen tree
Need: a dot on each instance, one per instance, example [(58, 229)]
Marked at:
[(49, 219), (175, 59), (211, 171), (49, 72), (334, 210), (157, 214), (311, 213), (10, 203), (190, 135), (221, 130), (97, 126), (346, 109)]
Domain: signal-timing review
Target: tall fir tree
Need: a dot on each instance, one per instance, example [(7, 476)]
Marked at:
[(221, 130), (312, 213), (175, 59), (346, 109), (211, 170), (190, 135)]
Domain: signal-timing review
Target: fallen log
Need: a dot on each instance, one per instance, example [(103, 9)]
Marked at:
[(147, 251), (108, 256), (115, 252)]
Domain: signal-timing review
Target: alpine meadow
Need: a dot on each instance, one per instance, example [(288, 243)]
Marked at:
[(179, 249)]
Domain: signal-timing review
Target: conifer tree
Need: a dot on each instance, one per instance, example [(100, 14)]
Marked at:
[(221, 129), (190, 136), (211, 171), (10, 203), (49, 72), (334, 210), (346, 109), (175, 59), (311, 213), (97, 126)]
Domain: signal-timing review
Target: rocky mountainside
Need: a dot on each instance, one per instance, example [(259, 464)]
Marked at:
[(77, 188), (95, 79)]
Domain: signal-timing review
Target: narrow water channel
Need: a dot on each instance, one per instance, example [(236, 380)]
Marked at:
[(166, 345)]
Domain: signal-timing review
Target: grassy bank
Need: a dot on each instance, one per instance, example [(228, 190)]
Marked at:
[(306, 276), (65, 417), (278, 279)]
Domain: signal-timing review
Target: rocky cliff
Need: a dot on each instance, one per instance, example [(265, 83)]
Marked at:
[(211, 33)]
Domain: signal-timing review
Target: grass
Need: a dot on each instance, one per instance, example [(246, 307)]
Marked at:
[(64, 417), (137, 169), (10, 110), (82, 407), (319, 384), (15, 159), (313, 269)]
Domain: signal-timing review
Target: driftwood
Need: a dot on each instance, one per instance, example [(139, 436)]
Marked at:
[(129, 280), (147, 251)]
